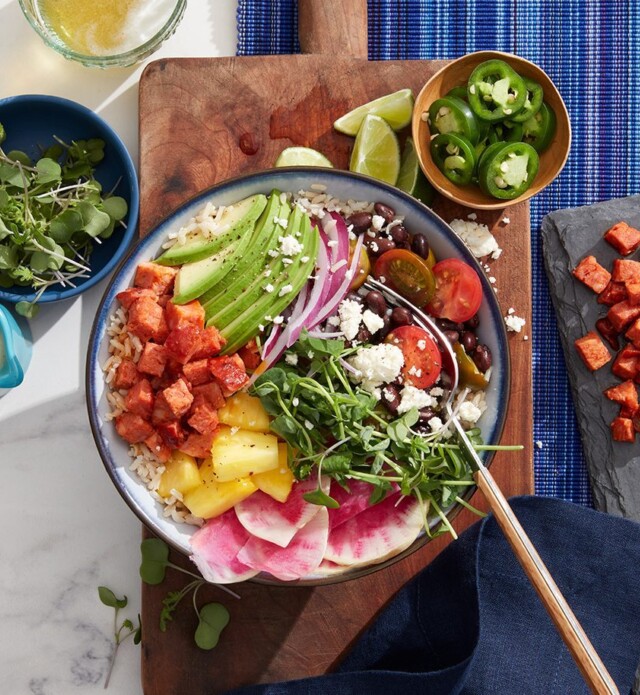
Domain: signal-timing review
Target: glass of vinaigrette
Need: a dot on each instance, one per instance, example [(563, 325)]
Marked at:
[(112, 33)]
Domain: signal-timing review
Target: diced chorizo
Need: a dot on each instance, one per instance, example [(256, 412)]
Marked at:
[(622, 314), (230, 373), (153, 276), (146, 319), (178, 397), (158, 447), (608, 332), (178, 314), (211, 392), (203, 418), (622, 430), (625, 393), (623, 238), (197, 372), (140, 399), (592, 351), (172, 433), (133, 428), (126, 375), (132, 294), (183, 342), (633, 292), (250, 355), (613, 293), (626, 363), (162, 412), (625, 271), (592, 274), (153, 359), (633, 334), (198, 445), (211, 342)]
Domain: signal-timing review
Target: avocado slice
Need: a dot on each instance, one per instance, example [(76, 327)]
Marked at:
[(268, 260), (244, 270), (246, 325), (234, 222)]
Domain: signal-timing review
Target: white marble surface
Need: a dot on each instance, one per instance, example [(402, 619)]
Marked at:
[(66, 529)]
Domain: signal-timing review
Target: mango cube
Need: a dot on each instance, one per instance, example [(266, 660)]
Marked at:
[(181, 474), (241, 453), (276, 483), (211, 499), (244, 411)]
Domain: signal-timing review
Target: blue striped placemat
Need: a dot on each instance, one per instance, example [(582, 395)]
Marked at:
[(591, 51)]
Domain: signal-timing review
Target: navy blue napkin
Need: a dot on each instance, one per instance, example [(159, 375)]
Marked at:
[(470, 623)]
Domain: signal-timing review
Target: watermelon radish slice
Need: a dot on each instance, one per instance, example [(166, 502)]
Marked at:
[(215, 547), (351, 503), (278, 522), (377, 533), (301, 557)]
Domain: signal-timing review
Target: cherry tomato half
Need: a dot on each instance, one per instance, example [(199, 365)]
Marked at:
[(406, 273), (422, 358), (364, 266), (458, 292)]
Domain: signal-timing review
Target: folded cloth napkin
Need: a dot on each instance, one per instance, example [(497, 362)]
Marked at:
[(471, 623)]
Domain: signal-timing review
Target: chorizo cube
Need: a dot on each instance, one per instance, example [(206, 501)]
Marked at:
[(592, 351), (633, 292), (211, 392), (198, 445), (622, 314), (132, 294), (613, 293), (140, 399), (155, 277), (622, 430), (230, 373), (178, 397), (592, 274), (183, 342), (211, 342), (250, 355), (172, 433), (153, 359), (625, 393), (177, 314), (625, 271), (633, 334), (608, 332), (126, 375), (158, 447), (623, 238), (626, 363), (197, 372), (146, 318), (133, 428), (203, 418)]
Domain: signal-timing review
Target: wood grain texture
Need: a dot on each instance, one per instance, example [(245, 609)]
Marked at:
[(205, 120), (332, 26)]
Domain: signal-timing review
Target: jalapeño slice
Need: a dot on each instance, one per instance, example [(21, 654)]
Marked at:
[(532, 103), (539, 130), (452, 115), (460, 92), (496, 91), (507, 169), (454, 156)]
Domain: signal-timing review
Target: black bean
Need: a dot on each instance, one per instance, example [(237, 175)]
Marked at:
[(399, 234), (469, 341), (385, 245), (376, 302), (391, 398), (355, 297), (425, 414), (446, 325), (385, 212), (452, 336), (363, 335), (401, 316), (482, 358), (361, 221), (420, 245), (473, 322), (371, 244)]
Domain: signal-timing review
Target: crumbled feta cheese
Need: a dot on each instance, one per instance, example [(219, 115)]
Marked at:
[(411, 397), (267, 317), (304, 259), (472, 216), (539, 444), (477, 237), (267, 272), (311, 354), (350, 313), (372, 321), (273, 253), (295, 402), (333, 320), (377, 364), (505, 220), (388, 394), (422, 344), (514, 323), (492, 280), (292, 359), (373, 247), (332, 242), (260, 327), (287, 261), (269, 288), (377, 222), (278, 320), (525, 337), (436, 392), (285, 290), (469, 412), (435, 424), (511, 310), (282, 221), (308, 424), (289, 245)]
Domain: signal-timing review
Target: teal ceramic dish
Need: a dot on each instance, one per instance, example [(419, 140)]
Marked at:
[(15, 352)]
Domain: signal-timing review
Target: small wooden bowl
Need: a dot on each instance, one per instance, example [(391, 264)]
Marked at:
[(456, 73)]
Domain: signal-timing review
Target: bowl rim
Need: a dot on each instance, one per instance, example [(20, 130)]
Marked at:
[(129, 174), (124, 59), (92, 364), (453, 195)]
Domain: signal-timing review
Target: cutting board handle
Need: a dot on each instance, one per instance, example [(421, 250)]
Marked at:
[(334, 27)]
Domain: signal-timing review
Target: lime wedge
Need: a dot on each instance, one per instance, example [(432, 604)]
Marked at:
[(302, 157), (395, 108), (376, 151), (411, 180)]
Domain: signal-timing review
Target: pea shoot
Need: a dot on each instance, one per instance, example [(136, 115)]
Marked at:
[(52, 213)]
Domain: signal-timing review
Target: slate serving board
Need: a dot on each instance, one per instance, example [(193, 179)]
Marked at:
[(568, 236)]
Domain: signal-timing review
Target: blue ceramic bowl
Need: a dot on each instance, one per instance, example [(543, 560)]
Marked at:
[(31, 121), (115, 452)]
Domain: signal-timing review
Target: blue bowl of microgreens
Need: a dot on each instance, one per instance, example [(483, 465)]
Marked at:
[(68, 200)]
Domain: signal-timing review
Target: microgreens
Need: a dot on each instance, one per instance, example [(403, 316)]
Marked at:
[(52, 212)]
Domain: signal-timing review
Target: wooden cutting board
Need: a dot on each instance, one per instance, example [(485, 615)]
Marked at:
[(204, 120)]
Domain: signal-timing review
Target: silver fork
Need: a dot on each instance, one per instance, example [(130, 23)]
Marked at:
[(587, 659)]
